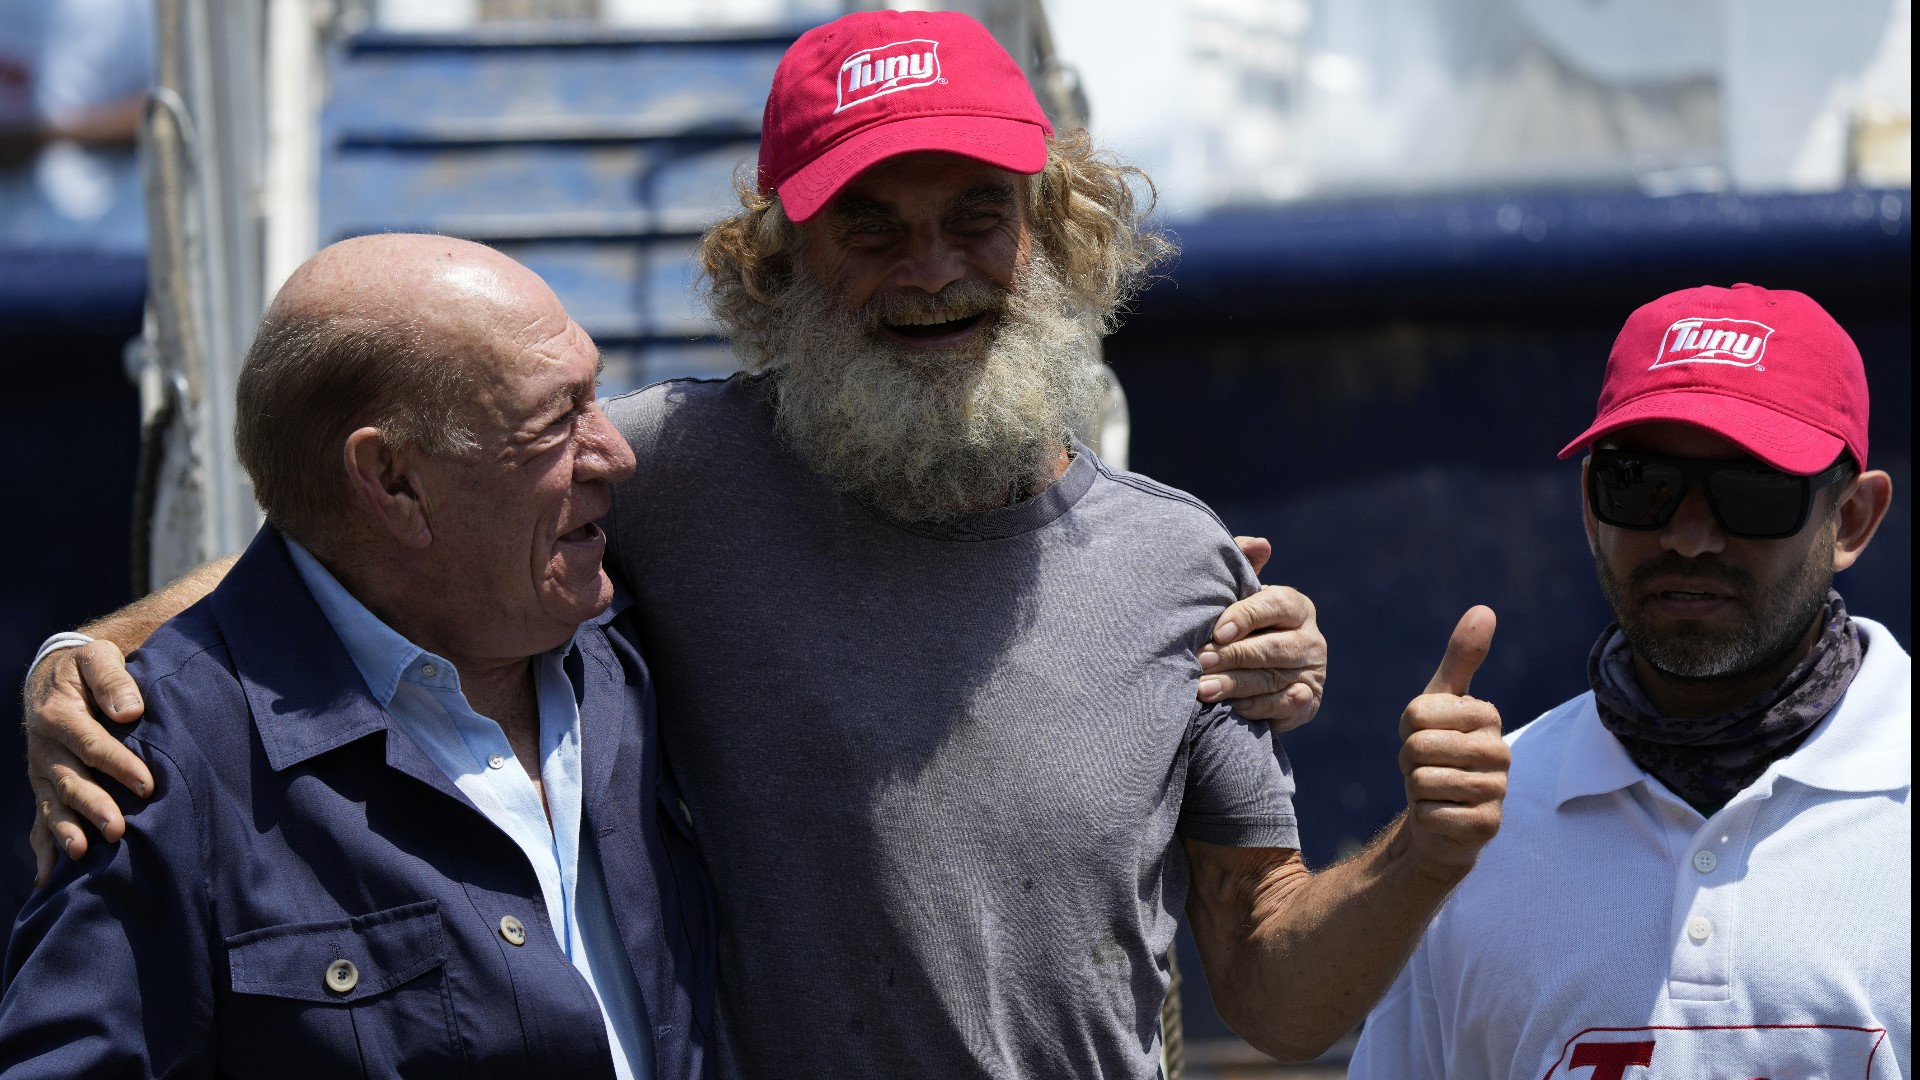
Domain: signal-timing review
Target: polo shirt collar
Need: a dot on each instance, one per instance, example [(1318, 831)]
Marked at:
[(1846, 752), (1593, 762), (1852, 749)]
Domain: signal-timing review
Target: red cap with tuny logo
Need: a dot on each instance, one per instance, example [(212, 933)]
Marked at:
[(1768, 370), (877, 84)]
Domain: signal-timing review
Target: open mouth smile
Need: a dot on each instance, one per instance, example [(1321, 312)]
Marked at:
[(934, 330)]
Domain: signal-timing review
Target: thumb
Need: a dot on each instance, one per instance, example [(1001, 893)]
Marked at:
[(1256, 549), (1466, 649)]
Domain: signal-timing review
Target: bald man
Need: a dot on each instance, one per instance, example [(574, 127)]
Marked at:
[(405, 818)]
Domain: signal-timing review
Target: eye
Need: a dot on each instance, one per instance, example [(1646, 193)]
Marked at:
[(973, 221)]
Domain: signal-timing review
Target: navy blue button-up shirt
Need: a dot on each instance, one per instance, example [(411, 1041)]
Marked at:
[(308, 895)]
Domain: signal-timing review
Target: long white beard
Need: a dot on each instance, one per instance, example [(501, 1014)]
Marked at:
[(921, 436)]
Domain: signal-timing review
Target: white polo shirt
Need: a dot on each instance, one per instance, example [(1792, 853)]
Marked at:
[(1611, 933)]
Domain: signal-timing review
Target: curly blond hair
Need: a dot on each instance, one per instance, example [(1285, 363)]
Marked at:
[(1087, 210)]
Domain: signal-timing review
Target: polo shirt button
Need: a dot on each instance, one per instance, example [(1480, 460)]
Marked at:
[(1704, 861), (1699, 928), (342, 976), (513, 930), (497, 761)]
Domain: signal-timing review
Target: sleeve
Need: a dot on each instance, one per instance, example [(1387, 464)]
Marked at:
[(1401, 1037), (107, 972), (1239, 790)]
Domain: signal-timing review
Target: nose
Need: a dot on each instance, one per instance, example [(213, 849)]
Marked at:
[(601, 452), (1693, 530), (930, 262)]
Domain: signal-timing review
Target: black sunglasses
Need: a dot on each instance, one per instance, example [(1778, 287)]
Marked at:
[(1641, 491)]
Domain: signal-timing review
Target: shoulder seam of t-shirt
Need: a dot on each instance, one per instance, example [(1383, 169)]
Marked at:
[(1155, 488)]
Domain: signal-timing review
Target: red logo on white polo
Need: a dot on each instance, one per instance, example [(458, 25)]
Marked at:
[(900, 65), (1734, 1051), (1740, 342)]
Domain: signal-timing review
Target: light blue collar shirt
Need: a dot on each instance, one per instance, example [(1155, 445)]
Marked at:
[(421, 692)]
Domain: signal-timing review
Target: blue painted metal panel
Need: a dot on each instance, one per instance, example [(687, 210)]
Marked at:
[(620, 291), (619, 191), (595, 159), (43, 286), (409, 90), (1378, 258)]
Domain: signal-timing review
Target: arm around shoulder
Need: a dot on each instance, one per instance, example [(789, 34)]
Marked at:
[(65, 697), (108, 970)]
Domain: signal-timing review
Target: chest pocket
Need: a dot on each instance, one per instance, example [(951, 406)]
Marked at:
[(364, 996)]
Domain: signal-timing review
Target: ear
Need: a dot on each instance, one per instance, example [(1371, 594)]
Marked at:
[(385, 486), (1586, 509), (1862, 506)]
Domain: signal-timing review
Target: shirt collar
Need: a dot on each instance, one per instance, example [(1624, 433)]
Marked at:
[(1593, 762), (1865, 743), (1856, 748), (378, 650)]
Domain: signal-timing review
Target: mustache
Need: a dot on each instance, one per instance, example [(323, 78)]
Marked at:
[(961, 299), (1673, 565)]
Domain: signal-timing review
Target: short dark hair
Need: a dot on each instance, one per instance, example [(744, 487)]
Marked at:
[(310, 380)]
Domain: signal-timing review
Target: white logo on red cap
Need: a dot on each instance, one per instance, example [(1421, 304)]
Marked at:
[(899, 65), (1739, 342)]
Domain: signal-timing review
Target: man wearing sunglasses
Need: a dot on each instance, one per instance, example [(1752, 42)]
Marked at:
[(1703, 866)]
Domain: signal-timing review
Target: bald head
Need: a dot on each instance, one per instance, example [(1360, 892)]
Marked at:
[(391, 332), (440, 285)]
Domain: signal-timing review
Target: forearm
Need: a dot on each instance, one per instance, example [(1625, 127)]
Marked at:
[(130, 627), (1295, 959), (114, 123)]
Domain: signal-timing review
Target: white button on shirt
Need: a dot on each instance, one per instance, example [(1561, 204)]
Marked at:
[(1771, 939)]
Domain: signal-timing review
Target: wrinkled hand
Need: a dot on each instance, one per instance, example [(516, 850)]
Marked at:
[(1267, 655), (1452, 755), (65, 695)]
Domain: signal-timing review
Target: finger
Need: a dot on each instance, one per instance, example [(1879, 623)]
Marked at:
[(1454, 750), (68, 834), (42, 843), (1256, 549), (1283, 710), (1274, 607), (106, 754), (1444, 712), (1468, 826), (1466, 649), (1454, 787), (51, 813), (76, 791), (1238, 685), (108, 685), (1293, 649)]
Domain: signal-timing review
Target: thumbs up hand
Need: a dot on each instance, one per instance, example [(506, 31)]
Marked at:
[(1453, 756)]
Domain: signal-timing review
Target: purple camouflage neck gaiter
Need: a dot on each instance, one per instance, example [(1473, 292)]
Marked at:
[(1708, 760)]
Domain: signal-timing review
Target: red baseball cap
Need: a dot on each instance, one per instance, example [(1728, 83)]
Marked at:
[(877, 84), (1768, 370)]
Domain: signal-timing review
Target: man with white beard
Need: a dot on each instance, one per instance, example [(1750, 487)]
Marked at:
[(955, 800), (927, 668)]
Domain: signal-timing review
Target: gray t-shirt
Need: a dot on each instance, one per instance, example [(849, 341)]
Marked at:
[(938, 775)]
